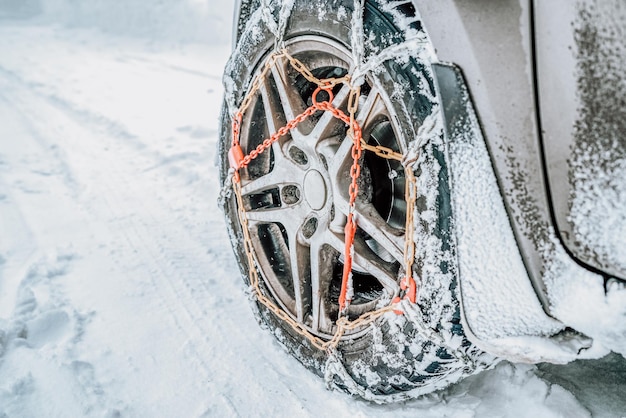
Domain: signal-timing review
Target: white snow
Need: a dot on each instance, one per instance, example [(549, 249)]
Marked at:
[(500, 305), (598, 206), (119, 293)]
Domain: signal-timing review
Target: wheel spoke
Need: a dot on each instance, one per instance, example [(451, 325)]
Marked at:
[(265, 215), (371, 107), (338, 166), (365, 259), (272, 106), (273, 179), (387, 237), (301, 275), (260, 184), (321, 272), (287, 216), (275, 119), (292, 104)]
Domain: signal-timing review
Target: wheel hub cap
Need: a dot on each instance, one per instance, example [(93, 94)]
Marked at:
[(314, 189)]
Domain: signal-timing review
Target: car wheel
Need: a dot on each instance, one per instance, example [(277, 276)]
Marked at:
[(295, 201)]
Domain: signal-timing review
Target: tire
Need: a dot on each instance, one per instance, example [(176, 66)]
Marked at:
[(295, 196)]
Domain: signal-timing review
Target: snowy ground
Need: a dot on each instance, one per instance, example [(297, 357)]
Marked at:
[(119, 294)]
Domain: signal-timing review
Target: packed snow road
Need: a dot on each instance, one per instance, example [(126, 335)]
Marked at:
[(119, 294)]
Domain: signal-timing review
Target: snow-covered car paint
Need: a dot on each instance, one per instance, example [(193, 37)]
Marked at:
[(583, 120), (500, 63), (524, 66)]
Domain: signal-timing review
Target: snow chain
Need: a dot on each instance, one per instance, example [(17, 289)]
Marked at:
[(238, 160)]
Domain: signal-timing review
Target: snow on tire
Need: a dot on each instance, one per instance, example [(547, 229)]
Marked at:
[(295, 195)]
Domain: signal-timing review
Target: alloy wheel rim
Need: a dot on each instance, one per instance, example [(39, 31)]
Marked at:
[(296, 193)]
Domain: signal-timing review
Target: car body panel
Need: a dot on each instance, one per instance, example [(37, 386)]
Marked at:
[(581, 62), (494, 52), (500, 309)]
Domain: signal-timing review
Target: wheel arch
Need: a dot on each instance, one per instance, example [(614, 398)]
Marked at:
[(493, 50), (496, 45)]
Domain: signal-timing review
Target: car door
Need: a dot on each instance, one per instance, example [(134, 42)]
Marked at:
[(580, 69)]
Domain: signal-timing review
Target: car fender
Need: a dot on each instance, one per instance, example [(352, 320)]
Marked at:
[(492, 44)]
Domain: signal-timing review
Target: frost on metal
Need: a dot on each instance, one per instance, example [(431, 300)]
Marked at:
[(598, 162), (500, 306)]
